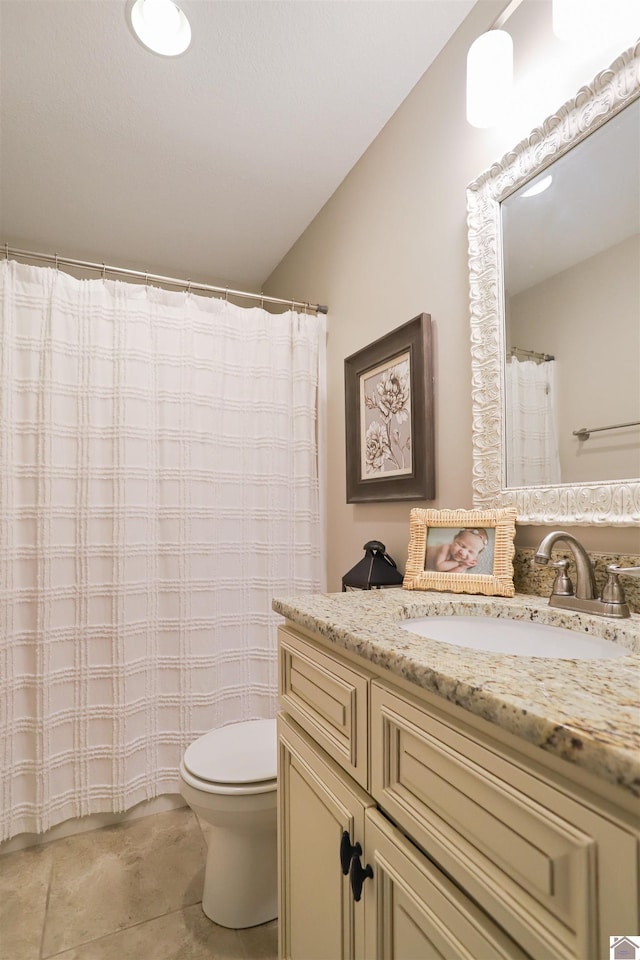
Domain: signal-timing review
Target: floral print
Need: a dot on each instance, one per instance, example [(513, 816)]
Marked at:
[(378, 447), (387, 446), (393, 394)]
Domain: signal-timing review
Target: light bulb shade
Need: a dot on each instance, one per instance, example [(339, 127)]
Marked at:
[(161, 26), (489, 78), (596, 23)]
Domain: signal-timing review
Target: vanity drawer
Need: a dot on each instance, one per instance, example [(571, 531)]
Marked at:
[(328, 699), (524, 851)]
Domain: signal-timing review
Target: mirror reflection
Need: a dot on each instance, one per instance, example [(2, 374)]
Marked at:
[(571, 251)]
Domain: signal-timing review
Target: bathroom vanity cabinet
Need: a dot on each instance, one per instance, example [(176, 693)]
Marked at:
[(460, 840)]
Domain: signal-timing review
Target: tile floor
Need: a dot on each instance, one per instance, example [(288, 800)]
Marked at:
[(125, 892)]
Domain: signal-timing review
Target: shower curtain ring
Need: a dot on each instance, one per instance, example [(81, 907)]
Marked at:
[(188, 287), (56, 261), (6, 250), (104, 272)]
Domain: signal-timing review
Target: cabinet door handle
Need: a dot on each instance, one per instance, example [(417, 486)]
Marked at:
[(348, 852), (357, 876)]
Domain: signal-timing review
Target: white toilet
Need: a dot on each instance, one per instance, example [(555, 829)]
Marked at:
[(228, 777)]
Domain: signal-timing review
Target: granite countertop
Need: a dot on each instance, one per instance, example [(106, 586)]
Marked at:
[(584, 711)]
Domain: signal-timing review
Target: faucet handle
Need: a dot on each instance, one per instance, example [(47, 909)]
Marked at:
[(562, 585), (613, 592), (627, 571), (564, 563)]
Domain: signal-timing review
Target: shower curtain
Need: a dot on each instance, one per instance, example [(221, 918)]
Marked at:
[(159, 483), (531, 428)]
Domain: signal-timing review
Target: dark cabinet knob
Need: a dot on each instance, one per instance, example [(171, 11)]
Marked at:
[(357, 876), (348, 852)]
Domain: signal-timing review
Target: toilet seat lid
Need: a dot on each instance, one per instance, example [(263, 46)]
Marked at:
[(238, 753)]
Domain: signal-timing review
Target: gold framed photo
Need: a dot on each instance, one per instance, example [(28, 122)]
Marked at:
[(463, 551)]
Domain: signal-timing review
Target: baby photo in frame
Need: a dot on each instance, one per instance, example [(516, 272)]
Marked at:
[(462, 551)]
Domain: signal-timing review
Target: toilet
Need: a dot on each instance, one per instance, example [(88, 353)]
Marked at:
[(228, 778)]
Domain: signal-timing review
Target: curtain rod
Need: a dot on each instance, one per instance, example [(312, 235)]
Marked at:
[(545, 357), (147, 277)]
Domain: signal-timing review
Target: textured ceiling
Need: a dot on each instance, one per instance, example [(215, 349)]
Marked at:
[(208, 166)]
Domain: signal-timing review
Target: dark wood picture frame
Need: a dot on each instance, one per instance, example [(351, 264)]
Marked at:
[(393, 458)]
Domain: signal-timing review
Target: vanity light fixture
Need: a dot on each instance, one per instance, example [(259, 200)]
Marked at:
[(489, 78), (587, 25), (538, 187), (490, 73), (161, 26), (596, 23)]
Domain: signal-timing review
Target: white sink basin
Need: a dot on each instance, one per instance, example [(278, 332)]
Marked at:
[(520, 637)]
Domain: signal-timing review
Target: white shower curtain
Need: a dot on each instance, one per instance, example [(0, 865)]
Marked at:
[(531, 428), (159, 483)]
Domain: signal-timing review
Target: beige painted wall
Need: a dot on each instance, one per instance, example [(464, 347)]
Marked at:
[(392, 242), (597, 357)]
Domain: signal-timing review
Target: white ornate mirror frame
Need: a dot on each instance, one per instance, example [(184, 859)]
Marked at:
[(607, 502)]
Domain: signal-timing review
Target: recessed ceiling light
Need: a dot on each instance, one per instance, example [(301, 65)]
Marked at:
[(538, 187), (161, 26)]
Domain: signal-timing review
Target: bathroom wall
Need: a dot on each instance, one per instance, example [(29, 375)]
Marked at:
[(392, 243)]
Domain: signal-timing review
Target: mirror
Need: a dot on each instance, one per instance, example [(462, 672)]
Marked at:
[(571, 250), (555, 302)]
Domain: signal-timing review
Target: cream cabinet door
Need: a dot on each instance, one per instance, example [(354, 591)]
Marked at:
[(555, 874), (318, 917), (412, 910)]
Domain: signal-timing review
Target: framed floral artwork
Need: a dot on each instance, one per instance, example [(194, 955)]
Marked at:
[(463, 551), (390, 416)]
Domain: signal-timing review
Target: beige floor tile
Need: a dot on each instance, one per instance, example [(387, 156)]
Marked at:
[(24, 881), (113, 878), (260, 943), (182, 935)]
